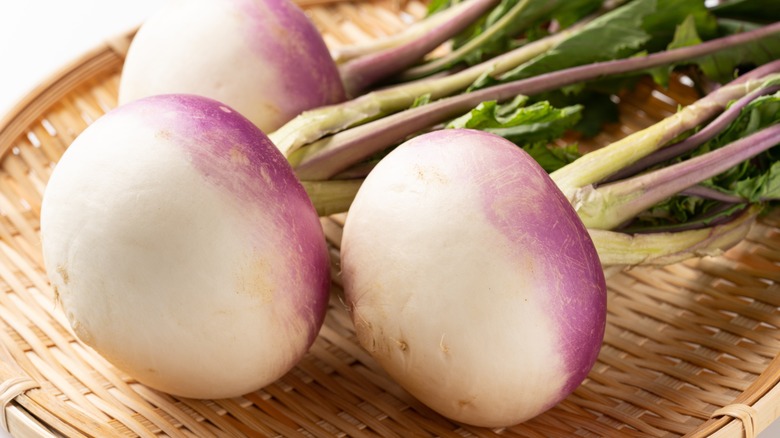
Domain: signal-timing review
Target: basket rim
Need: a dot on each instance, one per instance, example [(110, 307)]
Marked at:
[(105, 56), (109, 55), (768, 380)]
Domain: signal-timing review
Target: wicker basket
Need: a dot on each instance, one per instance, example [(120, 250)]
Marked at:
[(689, 348)]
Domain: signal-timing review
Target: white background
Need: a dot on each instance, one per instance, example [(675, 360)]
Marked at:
[(38, 36)]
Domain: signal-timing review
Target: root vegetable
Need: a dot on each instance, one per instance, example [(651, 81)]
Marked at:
[(471, 280), (264, 58), (183, 249)]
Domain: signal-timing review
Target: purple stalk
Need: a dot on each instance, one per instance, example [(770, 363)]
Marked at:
[(595, 166), (711, 130), (717, 215), (359, 73), (621, 201), (710, 193), (327, 157), (516, 16)]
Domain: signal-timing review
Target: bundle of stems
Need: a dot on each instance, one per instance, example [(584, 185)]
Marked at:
[(329, 147), (605, 207)]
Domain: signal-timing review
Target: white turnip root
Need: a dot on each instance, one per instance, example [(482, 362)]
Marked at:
[(264, 58), (183, 249), (471, 280)]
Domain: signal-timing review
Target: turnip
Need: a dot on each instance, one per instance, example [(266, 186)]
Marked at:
[(182, 248), (471, 280), (264, 58)]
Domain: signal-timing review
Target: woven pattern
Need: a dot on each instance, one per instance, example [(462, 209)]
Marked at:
[(682, 341)]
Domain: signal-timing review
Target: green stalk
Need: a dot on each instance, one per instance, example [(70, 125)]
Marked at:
[(621, 249), (331, 197), (628, 249), (359, 73), (516, 16), (613, 204), (695, 140), (597, 165), (317, 123), (331, 155), (416, 31), (576, 179)]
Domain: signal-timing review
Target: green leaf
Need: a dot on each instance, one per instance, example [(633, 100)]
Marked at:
[(634, 29), (662, 24), (498, 44), (720, 66), (521, 124), (529, 25), (421, 100), (761, 11), (598, 108), (571, 12), (680, 213), (762, 186), (616, 34), (755, 180), (685, 35), (675, 210), (435, 6), (530, 127), (552, 158)]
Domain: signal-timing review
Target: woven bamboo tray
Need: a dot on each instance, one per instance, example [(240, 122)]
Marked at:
[(689, 350)]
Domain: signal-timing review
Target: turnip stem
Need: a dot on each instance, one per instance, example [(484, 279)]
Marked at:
[(327, 157), (690, 143), (720, 213), (331, 197), (516, 16), (611, 205), (359, 73), (710, 193), (598, 165), (621, 249), (317, 123), (336, 195), (415, 31)]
